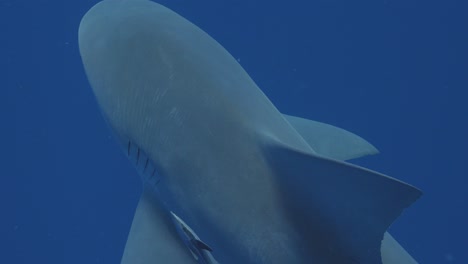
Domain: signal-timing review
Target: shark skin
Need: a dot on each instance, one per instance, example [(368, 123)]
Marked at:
[(226, 177)]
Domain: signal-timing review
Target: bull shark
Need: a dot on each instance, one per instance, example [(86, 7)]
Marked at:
[(227, 178)]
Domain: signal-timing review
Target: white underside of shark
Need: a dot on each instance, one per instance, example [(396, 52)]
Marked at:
[(227, 178)]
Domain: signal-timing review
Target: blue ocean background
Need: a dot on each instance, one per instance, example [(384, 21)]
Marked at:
[(391, 71)]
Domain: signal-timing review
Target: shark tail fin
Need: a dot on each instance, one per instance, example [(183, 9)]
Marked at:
[(343, 209)]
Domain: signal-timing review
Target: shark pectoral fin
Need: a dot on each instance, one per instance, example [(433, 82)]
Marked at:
[(330, 141), (153, 237), (394, 253), (343, 209)]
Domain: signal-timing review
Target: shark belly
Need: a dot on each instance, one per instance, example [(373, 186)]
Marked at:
[(234, 205)]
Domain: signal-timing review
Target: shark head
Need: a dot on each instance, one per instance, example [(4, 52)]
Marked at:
[(128, 75), (145, 69), (138, 73)]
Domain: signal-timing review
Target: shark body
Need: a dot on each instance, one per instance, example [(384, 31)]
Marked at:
[(228, 178)]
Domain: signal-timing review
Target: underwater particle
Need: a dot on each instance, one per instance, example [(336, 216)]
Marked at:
[(449, 258)]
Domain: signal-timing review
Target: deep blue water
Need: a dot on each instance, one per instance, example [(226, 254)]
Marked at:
[(392, 71)]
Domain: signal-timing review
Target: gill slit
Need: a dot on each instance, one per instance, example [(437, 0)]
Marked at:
[(146, 164), (138, 155), (149, 175)]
